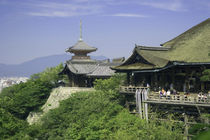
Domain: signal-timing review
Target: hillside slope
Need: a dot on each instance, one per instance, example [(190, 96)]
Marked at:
[(57, 95)]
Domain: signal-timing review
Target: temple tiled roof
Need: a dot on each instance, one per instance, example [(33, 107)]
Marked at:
[(102, 71), (91, 68), (192, 46), (81, 68)]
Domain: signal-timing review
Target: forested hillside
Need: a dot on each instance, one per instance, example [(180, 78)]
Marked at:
[(99, 114)]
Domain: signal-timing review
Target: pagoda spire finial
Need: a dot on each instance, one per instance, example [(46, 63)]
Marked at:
[(80, 38)]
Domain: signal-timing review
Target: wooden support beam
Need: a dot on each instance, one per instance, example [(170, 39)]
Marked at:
[(176, 103), (186, 127), (146, 105)]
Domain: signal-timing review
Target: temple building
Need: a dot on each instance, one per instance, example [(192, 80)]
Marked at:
[(82, 70), (177, 64)]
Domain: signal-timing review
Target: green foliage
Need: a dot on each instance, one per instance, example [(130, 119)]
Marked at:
[(110, 86), (205, 75), (9, 125), (85, 115), (17, 101), (203, 136), (92, 115), (25, 97), (51, 74), (201, 130), (112, 83), (129, 127)]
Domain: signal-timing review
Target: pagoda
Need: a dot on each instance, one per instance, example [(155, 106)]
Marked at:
[(81, 49), (81, 70)]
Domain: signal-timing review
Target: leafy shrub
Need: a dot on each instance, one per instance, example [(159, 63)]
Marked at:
[(110, 86), (112, 83), (205, 75), (92, 115), (51, 75), (26, 97), (10, 125)]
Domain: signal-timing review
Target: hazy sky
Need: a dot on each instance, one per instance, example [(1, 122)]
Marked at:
[(34, 28)]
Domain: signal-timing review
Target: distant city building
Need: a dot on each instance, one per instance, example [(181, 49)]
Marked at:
[(9, 81), (82, 70)]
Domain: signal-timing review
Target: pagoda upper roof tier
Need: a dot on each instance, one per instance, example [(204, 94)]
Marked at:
[(81, 46)]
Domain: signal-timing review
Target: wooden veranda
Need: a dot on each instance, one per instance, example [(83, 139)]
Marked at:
[(144, 97)]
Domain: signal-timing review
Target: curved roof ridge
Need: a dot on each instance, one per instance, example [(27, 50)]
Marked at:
[(158, 48), (71, 67), (192, 29)]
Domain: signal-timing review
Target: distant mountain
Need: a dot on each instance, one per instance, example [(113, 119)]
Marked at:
[(36, 65)]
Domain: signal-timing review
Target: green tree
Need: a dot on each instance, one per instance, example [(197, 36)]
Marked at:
[(17, 101), (110, 86), (205, 75), (30, 97), (85, 115), (51, 75), (10, 125)]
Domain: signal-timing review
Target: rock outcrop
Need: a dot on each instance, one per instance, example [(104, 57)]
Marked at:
[(57, 95)]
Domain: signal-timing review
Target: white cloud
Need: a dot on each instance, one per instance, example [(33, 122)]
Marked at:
[(51, 14), (69, 8), (171, 5), (175, 5), (129, 15), (53, 9)]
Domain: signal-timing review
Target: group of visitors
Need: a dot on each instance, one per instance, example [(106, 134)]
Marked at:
[(202, 96), (167, 91)]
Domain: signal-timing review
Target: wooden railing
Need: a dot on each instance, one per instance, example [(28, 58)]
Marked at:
[(130, 89), (179, 98), (154, 96)]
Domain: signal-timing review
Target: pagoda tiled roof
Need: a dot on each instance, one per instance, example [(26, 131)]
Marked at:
[(81, 46)]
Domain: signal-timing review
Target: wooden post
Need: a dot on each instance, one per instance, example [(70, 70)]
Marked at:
[(186, 127), (143, 104), (139, 102), (146, 106), (202, 86), (128, 78)]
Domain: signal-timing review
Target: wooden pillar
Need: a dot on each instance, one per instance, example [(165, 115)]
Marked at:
[(70, 79), (162, 80), (143, 106), (73, 80), (173, 76), (139, 102), (202, 86), (186, 127), (146, 105), (132, 79), (155, 82), (128, 78)]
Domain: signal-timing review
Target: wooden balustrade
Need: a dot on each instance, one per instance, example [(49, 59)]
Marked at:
[(130, 89), (180, 98), (154, 96)]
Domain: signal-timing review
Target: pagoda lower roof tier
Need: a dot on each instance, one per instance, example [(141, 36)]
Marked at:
[(90, 68)]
